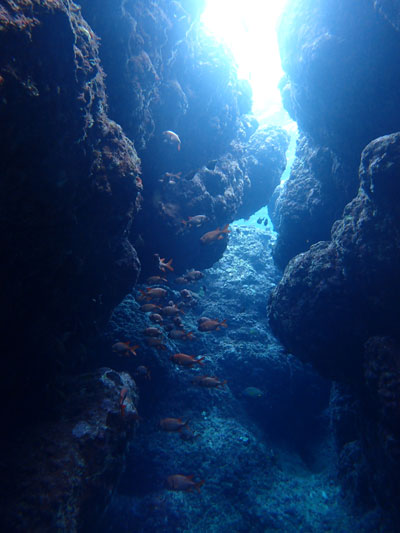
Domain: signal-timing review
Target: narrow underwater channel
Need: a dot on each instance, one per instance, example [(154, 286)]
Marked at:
[(143, 388), (261, 443)]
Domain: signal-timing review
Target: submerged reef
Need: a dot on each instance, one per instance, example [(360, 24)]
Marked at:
[(165, 74), (72, 180), (126, 135), (337, 304)]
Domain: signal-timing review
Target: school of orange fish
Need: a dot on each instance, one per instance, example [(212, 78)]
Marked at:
[(168, 316)]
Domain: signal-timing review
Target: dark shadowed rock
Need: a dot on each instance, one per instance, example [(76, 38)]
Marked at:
[(60, 476), (311, 199), (340, 294), (367, 431), (69, 191), (333, 297), (381, 439), (340, 85), (344, 410), (342, 79)]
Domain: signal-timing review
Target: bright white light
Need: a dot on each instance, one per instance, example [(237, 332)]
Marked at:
[(248, 28)]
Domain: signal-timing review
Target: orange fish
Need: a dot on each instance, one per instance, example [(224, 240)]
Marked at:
[(173, 424), (210, 382), (184, 483), (194, 275), (186, 294), (170, 310), (162, 265), (124, 401), (171, 175), (124, 348), (181, 280), (155, 343), (197, 221), (139, 182), (122, 397), (156, 318), (210, 325), (149, 307), (153, 280), (180, 334), (152, 332), (143, 371), (186, 360), (215, 235), (172, 137), (153, 292)]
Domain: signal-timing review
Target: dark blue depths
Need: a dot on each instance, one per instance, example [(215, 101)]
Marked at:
[(260, 442)]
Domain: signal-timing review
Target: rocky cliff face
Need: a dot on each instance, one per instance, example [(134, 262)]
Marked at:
[(163, 75), (70, 191), (60, 474), (340, 86), (337, 303), (91, 190)]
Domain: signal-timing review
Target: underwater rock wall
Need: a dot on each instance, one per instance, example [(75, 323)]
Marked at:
[(333, 297), (340, 85), (235, 185), (336, 297), (62, 471), (311, 198), (69, 192), (165, 74), (337, 303)]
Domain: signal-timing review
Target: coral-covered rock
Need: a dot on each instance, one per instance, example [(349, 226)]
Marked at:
[(69, 191), (165, 73), (311, 199), (341, 87), (264, 161), (232, 186), (367, 430), (342, 78), (382, 374), (61, 475), (335, 296)]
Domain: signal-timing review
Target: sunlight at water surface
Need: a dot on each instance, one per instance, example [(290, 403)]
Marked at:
[(249, 30)]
